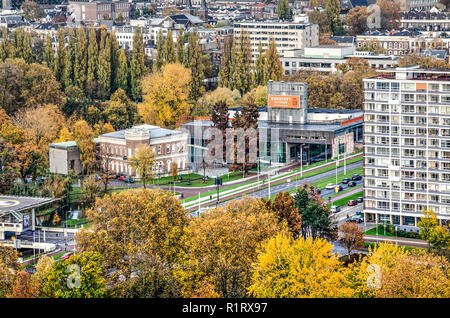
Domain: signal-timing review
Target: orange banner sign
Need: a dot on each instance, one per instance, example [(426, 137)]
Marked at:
[(284, 101)]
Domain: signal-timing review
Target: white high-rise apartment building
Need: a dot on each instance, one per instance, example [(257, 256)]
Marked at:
[(407, 145)]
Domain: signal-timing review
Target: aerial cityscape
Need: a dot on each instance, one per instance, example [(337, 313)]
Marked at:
[(244, 149)]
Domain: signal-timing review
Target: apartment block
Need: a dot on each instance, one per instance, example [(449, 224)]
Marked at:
[(407, 145), (287, 35)]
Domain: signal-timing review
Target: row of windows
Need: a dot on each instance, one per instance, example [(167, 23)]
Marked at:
[(406, 207), (408, 86), (419, 109), (418, 98), (419, 142), (418, 120), (410, 196), (384, 151), (407, 163), (418, 131)]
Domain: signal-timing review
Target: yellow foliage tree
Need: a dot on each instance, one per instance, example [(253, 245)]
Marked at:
[(299, 268), (165, 95)]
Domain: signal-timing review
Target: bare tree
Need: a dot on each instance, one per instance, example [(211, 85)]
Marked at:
[(350, 236)]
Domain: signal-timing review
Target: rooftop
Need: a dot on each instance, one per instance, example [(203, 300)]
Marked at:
[(155, 132), (17, 203)]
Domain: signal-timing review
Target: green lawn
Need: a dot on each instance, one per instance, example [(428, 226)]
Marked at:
[(332, 179), (344, 201), (341, 162), (380, 231), (407, 248)]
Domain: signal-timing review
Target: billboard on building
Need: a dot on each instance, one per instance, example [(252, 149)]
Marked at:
[(26, 222), (282, 101)]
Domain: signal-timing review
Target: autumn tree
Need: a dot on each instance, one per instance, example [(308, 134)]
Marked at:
[(273, 69), (84, 137), (205, 104), (9, 268), (351, 236), (80, 276), (23, 286), (165, 96), (333, 10), (32, 11), (104, 66), (121, 79), (283, 206), (356, 19), (284, 11), (60, 61), (223, 244), (90, 190), (134, 226), (260, 63), (49, 55), (92, 57), (81, 56), (423, 61), (5, 45), (390, 14), (137, 65), (195, 63), (225, 69), (437, 236), (287, 268), (321, 19), (143, 161)]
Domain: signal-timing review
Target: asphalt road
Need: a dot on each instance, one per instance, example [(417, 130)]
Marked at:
[(295, 184)]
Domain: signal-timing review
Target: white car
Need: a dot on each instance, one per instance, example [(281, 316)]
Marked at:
[(329, 186)]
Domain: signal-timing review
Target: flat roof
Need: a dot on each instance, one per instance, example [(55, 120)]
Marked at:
[(17, 203), (155, 132)]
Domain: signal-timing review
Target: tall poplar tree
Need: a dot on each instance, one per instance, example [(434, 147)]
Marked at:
[(259, 66), (27, 45), (69, 72), (225, 71), (80, 68), (121, 80), (160, 50), (273, 66), (137, 65), (114, 60), (180, 47), (169, 48), (5, 45), (195, 62), (104, 66), (49, 55), (92, 56), (333, 9), (17, 43), (60, 61)]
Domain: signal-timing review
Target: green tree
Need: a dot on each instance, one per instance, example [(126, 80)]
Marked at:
[(69, 71), (93, 50), (225, 70), (49, 55), (137, 65), (60, 61), (27, 53), (284, 11), (180, 47), (333, 10), (121, 78), (80, 69), (160, 59), (104, 66), (80, 276), (120, 111), (196, 88), (260, 66), (169, 48), (32, 11), (5, 45)]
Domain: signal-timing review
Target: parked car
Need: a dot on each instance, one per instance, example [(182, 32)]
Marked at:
[(66, 256), (360, 199), (358, 213), (334, 209), (356, 177), (346, 180), (337, 188), (352, 202), (351, 183), (329, 186), (121, 178)]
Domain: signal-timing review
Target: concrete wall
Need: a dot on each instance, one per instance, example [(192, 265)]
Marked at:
[(60, 160)]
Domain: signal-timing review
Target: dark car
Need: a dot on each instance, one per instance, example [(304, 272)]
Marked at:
[(352, 202), (351, 183), (356, 177), (317, 191), (345, 180), (356, 219), (338, 188), (360, 199), (128, 180)]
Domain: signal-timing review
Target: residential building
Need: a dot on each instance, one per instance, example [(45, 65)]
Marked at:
[(93, 11), (287, 35), (406, 5), (425, 20), (407, 145)]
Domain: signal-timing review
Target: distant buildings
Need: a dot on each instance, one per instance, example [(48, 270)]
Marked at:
[(93, 11), (426, 20), (287, 35)]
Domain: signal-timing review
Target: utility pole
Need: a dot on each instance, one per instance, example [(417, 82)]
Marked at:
[(217, 182), (301, 161)]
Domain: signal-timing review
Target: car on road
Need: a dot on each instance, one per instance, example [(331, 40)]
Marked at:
[(337, 188), (128, 180), (121, 178), (358, 213), (356, 177), (329, 186), (352, 202), (356, 219), (360, 199), (334, 209), (346, 180), (66, 256), (351, 183)]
